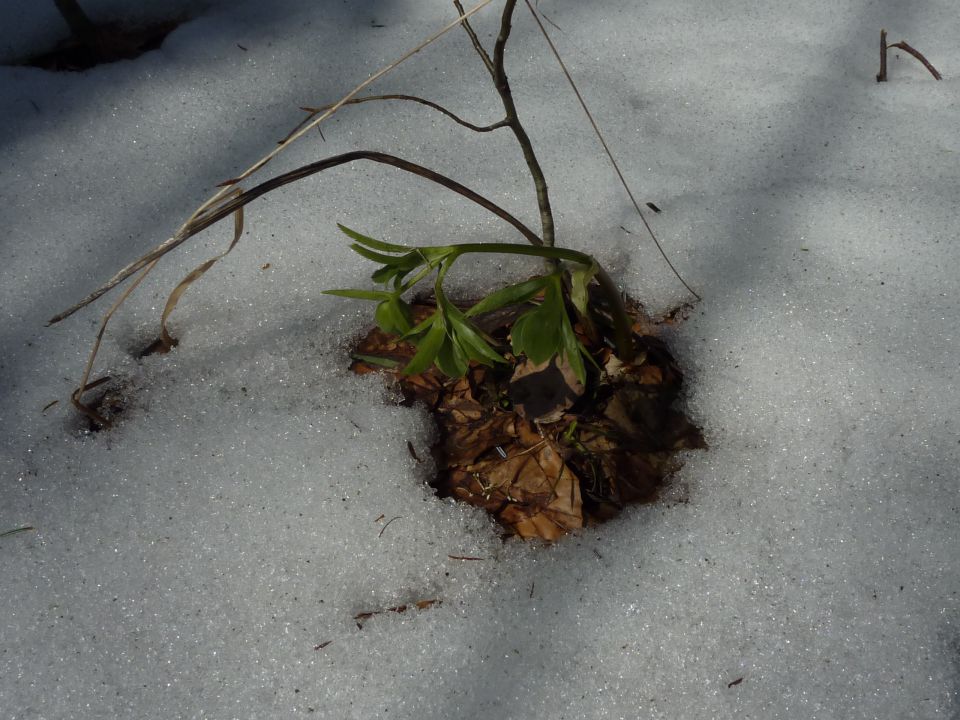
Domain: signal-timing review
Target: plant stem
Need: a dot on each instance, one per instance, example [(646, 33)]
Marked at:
[(513, 121), (902, 45), (554, 253)]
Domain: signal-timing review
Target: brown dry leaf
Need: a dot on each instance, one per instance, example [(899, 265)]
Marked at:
[(472, 428), (681, 434), (377, 343), (532, 492), (544, 391), (426, 387), (465, 443), (459, 402), (650, 375)]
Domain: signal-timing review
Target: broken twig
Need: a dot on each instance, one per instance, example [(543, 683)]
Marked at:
[(902, 45)]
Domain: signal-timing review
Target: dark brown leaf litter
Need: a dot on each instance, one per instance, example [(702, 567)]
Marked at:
[(539, 451)]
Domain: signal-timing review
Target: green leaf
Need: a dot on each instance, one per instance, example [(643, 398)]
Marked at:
[(419, 329), (428, 347), (397, 268), (394, 316), (473, 343), (435, 253), (360, 294), (538, 334), (510, 295), (401, 286), (370, 242), (572, 349), (386, 274), (389, 260), (579, 280), (451, 359), (470, 338)]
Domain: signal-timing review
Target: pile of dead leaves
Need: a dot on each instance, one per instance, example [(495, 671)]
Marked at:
[(538, 450)]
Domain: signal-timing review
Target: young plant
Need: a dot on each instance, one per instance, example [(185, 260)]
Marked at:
[(448, 338)]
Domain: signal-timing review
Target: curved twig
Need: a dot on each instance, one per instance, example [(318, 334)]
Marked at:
[(422, 101), (513, 120), (902, 45), (202, 222)]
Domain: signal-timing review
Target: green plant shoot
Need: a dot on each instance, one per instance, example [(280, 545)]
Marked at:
[(448, 338)]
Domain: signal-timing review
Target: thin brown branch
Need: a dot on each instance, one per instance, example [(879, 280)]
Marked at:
[(488, 63), (214, 215), (513, 120), (421, 101), (607, 150), (919, 56)]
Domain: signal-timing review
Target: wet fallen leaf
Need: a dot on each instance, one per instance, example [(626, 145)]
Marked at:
[(542, 392), (532, 492)]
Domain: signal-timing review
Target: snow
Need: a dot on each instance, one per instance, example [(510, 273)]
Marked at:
[(187, 563)]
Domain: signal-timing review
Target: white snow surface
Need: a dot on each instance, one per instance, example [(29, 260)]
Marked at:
[(189, 562)]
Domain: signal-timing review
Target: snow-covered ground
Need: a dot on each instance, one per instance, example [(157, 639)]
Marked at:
[(188, 563)]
